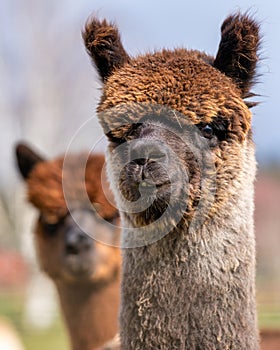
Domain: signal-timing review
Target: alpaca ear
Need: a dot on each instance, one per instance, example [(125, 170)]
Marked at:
[(238, 50), (26, 159), (104, 46)]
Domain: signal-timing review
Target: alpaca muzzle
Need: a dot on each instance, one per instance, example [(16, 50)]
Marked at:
[(76, 241)]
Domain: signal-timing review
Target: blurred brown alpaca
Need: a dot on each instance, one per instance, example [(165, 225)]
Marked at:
[(85, 271)]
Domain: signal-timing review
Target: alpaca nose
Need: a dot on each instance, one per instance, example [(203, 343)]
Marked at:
[(76, 241), (143, 151)]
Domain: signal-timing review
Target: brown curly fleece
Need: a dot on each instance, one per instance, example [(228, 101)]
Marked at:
[(191, 290), (45, 188), (87, 276)]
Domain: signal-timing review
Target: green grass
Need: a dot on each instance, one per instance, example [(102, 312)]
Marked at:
[(269, 316), (268, 301), (53, 338), (11, 307)]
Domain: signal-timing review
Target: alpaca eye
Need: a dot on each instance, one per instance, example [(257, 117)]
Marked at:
[(207, 131), (48, 226), (51, 228)]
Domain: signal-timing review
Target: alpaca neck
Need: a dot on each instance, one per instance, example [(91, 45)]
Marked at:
[(195, 287), (90, 312), (193, 290)]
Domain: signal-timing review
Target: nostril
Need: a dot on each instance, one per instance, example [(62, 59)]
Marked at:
[(140, 161), (71, 250)]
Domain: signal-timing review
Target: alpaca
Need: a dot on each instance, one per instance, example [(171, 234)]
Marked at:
[(85, 272), (182, 166)]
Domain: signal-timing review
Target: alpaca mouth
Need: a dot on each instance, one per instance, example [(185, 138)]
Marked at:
[(78, 265), (148, 184), (147, 189), (151, 187)]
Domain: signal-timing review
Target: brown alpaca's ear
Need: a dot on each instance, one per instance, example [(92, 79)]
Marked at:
[(238, 50), (103, 44), (26, 159)]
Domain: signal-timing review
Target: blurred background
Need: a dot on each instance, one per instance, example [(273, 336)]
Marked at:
[(48, 90)]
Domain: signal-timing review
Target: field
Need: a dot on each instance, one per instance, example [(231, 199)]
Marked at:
[(11, 307)]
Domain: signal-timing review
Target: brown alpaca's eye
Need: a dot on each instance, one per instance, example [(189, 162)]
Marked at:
[(207, 131), (49, 227)]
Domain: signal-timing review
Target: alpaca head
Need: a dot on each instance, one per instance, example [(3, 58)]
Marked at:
[(73, 209), (178, 123)]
